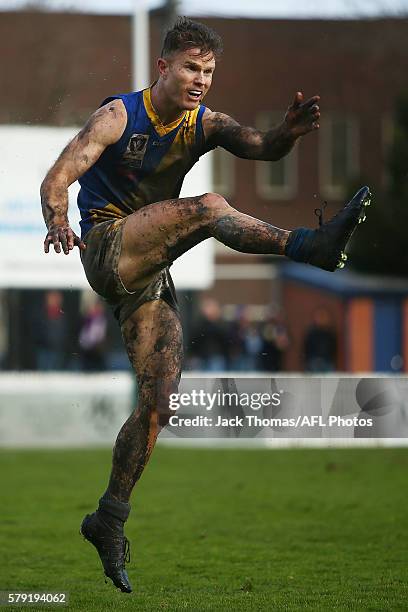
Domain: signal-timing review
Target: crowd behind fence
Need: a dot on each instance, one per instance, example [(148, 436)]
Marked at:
[(55, 330)]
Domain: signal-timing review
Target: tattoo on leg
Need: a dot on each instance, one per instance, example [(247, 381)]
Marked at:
[(249, 235)]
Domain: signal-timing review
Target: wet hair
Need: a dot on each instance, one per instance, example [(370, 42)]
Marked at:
[(188, 34)]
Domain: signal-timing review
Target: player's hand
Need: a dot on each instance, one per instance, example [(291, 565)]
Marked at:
[(303, 117), (62, 235)]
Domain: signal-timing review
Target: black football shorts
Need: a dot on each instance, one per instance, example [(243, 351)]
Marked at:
[(101, 260)]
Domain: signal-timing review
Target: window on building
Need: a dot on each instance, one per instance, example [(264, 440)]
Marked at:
[(223, 172), (339, 154), (276, 180)]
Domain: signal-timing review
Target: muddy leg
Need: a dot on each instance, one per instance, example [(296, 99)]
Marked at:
[(153, 339), (156, 235)]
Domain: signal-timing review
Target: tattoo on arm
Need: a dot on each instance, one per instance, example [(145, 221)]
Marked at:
[(248, 142)]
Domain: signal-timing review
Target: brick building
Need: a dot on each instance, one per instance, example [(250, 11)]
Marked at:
[(57, 68)]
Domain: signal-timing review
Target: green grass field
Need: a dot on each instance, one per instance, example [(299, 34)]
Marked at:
[(216, 529)]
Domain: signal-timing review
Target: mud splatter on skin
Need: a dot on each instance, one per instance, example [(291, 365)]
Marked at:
[(247, 142), (248, 235), (166, 230), (182, 245), (153, 339), (54, 202), (102, 117), (236, 230), (74, 160)]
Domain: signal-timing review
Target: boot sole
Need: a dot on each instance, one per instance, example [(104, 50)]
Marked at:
[(360, 219)]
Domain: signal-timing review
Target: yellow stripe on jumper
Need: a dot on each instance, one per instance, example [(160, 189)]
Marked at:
[(161, 129), (162, 183), (110, 211)]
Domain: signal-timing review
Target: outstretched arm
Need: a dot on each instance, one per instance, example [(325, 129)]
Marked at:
[(247, 142), (104, 128)]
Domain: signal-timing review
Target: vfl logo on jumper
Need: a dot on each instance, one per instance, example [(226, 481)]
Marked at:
[(136, 150)]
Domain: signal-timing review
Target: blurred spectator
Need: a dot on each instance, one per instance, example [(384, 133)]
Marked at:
[(50, 333), (209, 339), (253, 345), (244, 343), (275, 341), (92, 336), (320, 343)]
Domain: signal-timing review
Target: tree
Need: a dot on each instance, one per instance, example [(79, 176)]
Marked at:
[(381, 246)]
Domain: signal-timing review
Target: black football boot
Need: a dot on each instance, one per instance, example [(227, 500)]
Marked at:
[(324, 247), (112, 546)]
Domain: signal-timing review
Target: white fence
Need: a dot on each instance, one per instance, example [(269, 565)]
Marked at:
[(38, 410)]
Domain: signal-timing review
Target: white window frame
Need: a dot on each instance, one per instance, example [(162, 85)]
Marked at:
[(327, 188), (265, 121), (227, 187)]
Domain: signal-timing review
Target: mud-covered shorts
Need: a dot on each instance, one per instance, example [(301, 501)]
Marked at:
[(101, 260)]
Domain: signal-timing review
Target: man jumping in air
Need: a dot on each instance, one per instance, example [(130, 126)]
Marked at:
[(130, 160)]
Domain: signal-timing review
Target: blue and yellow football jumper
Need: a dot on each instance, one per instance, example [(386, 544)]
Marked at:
[(148, 164)]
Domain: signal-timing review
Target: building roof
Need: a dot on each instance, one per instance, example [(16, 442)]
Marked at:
[(345, 282)]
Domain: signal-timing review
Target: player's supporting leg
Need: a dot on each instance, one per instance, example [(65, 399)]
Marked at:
[(156, 235), (153, 339), (154, 342)]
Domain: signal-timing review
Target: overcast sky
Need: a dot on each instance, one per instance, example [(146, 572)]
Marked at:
[(247, 8)]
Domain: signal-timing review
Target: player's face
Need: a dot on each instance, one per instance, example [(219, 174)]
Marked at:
[(188, 77)]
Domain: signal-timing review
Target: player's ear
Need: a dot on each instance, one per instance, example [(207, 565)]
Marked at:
[(163, 66)]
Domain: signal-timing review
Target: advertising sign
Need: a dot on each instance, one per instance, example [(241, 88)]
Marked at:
[(27, 153)]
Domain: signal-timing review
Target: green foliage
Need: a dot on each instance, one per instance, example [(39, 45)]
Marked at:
[(380, 246), (215, 529)]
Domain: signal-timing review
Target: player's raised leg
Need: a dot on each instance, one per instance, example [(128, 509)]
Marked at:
[(159, 233), (156, 235), (153, 339)]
